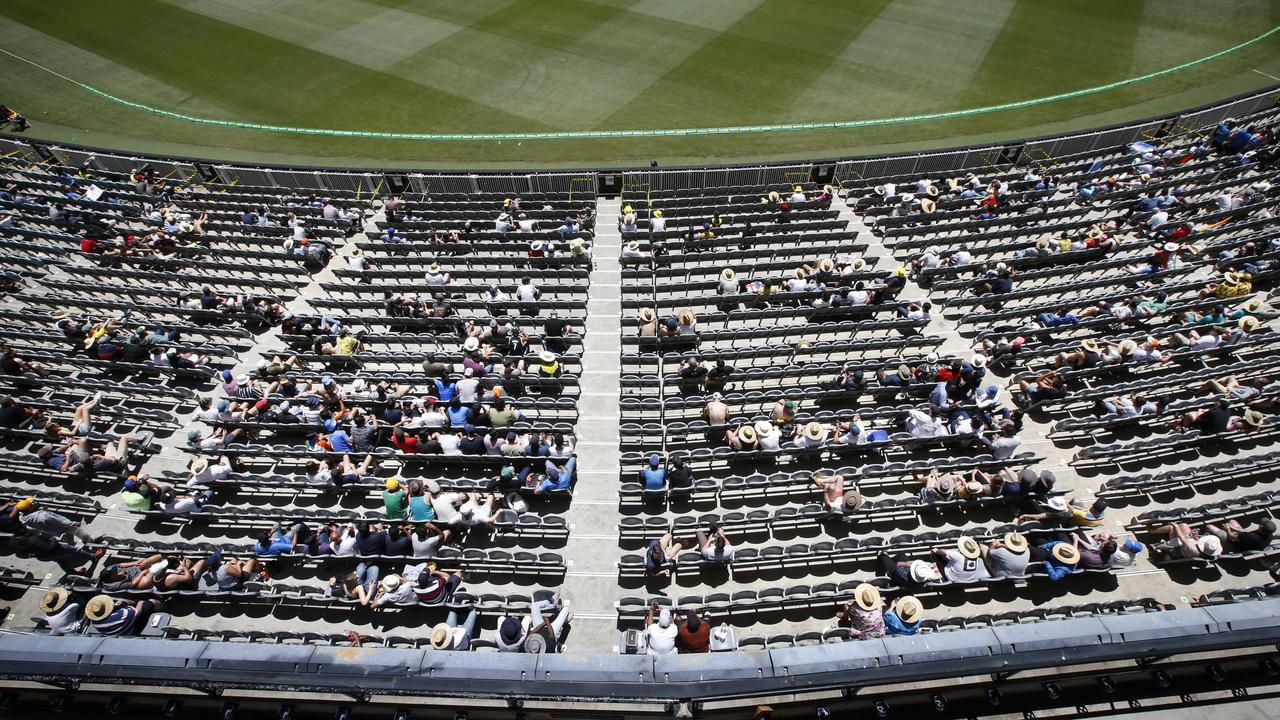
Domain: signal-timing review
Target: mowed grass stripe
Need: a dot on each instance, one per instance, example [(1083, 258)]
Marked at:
[(569, 70), (254, 75), (363, 33), (752, 71), (916, 54)]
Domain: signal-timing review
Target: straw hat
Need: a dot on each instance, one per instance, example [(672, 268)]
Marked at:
[(1066, 554), (686, 317), (1090, 344), (727, 274), (393, 484), (657, 213), (763, 427), (60, 314), (633, 245), (1042, 244), (440, 635), (859, 264), (1249, 322), (853, 500), (1171, 247), (932, 190), (747, 434), (1232, 277), (928, 205), (797, 188), (54, 600), (800, 272), (471, 344), (1209, 546), (1254, 305), (357, 252), (1128, 347), (909, 608), (968, 547), (973, 487), (1015, 541), (1253, 418), (547, 356), (199, 465), (814, 430), (433, 268), (867, 597), (908, 197), (646, 315), (879, 189), (390, 582), (826, 264), (979, 360), (99, 607)]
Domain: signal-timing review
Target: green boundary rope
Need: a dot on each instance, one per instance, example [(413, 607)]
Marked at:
[(673, 132)]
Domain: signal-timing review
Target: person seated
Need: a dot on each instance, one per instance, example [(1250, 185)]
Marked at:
[(715, 546), (661, 553), (1007, 557), (1046, 386), (112, 617), (654, 476), (903, 617), (963, 563), (863, 616), (1236, 538)]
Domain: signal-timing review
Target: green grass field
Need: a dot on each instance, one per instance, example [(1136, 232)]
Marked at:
[(550, 65)]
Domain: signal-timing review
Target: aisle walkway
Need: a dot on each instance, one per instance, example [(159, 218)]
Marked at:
[(591, 585)]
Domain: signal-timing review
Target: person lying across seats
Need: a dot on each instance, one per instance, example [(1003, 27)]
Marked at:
[(1180, 540), (1220, 418)]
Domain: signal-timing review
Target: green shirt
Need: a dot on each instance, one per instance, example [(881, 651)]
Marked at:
[(394, 502), (501, 418), (135, 501)]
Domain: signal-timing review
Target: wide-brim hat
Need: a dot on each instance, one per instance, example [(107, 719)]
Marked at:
[(646, 314), (1042, 243), (909, 608), (633, 245), (904, 372), (199, 465), (1253, 418), (440, 636), (390, 582), (1090, 344), (471, 343), (867, 597), (979, 360), (99, 607), (859, 263), (814, 431), (535, 644), (932, 190), (1128, 347), (54, 600), (727, 274), (357, 252), (433, 267), (920, 571), (908, 197), (1066, 554), (762, 427), (60, 314), (1171, 247), (1015, 541), (1231, 277), (928, 205), (1209, 546), (800, 272), (879, 189), (547, 356), (1254, 305), (852, 499), (657, 213), (746, 433), (968, 547), (826, 264), (686, 317), (1249, 322), (797, 188)]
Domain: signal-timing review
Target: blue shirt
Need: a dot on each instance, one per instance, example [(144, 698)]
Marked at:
[(420, 510), (1056, 570), (654, 478), (458, 416), (119, 622), (340, 440), (445, 390), (279, 544), (893, 625)]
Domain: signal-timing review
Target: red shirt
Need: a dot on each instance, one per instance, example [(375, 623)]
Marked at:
[(88, 245), (694, 642), (408, 445)]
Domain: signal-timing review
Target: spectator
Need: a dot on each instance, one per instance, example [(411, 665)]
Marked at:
[(654, 477), (109, 616), (903, 616), (714, 546), (63, 617), (662, 552), (963, 564), (693, 633), (1009, 556), (660, 632), (1060, 559), (864, 614)]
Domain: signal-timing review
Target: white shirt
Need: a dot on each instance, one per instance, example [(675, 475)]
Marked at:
[(526, 293), (357, 263), (662, 641), (450, 444), (443, 505), (1157, 219), (771, 441), (658, 224), (65, 620), (797, 197), (467, 388)]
